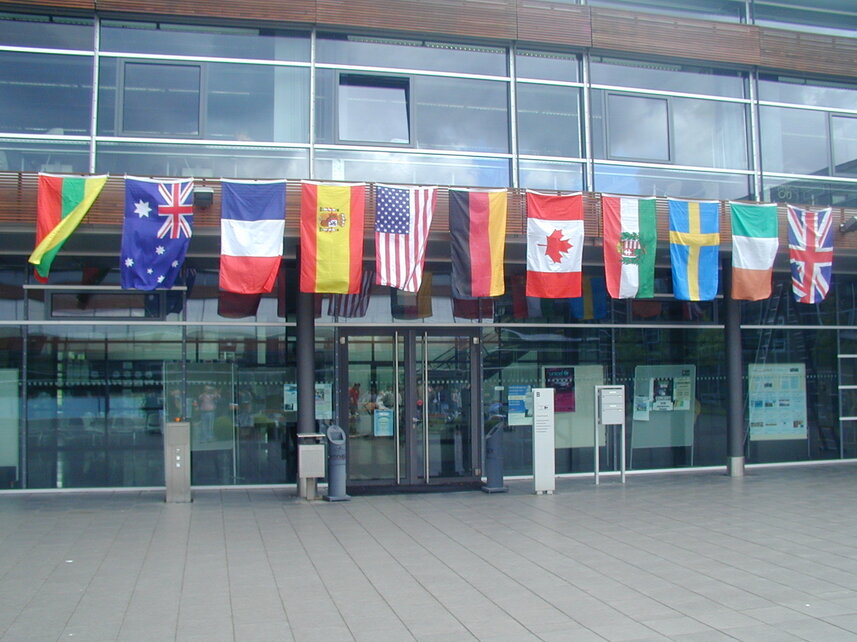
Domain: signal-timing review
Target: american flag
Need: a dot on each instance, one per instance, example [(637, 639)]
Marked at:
[(353, 306), (402, 222), (810, 253)]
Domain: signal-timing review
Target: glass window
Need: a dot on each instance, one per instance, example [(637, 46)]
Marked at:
[(550, 175), (801, 91), (411, 168), (637, 128), (646, 181), (59, 157), (810, 192), (160, 99), (207, 41), (403, 53), (825, 16), (709, 133), (239, 102), (201, 160), (373, 109), (667, 77), (45, 94), (55, 32), (459, 114), (843, 133), (546, 66), (548, 120), (725, 10), (794, 141)]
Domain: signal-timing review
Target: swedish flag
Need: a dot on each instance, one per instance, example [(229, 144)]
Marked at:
[(694, 248)]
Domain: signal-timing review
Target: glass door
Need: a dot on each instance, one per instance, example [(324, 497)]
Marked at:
[(405, 400)]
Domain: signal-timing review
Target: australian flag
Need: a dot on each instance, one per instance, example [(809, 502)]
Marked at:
[(157, 230)]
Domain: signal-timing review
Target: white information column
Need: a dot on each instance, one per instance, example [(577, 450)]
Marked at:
[(544, 477), (610, 411)]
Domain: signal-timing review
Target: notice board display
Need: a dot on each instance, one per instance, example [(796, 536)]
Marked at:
[(777, 400), (664, 408)]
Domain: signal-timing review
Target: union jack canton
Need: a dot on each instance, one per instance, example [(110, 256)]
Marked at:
[(810, 253), (156, 232)]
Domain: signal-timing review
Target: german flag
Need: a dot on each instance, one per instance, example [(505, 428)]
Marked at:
[(477, 225), (331, 237)]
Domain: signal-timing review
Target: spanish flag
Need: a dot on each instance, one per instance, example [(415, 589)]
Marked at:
[(62, 203), (477, 225), (331, 237)]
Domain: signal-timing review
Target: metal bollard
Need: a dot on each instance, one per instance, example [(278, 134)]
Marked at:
[(336, 470), (494, 457)]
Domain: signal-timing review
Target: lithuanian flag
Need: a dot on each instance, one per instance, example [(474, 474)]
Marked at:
[(477, 225), (331, 237), (62, 203)]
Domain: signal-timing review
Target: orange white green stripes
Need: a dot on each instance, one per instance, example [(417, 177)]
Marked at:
[(62, 203), (755, 240)]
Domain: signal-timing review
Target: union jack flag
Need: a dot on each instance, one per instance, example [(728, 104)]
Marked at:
[(810, 253), (177, 206)]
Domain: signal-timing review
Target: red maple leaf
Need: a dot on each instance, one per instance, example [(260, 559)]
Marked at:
[(556, 246)]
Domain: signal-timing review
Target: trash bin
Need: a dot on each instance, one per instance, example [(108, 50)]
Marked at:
[(310, 464), (336, 471), (494, 455)]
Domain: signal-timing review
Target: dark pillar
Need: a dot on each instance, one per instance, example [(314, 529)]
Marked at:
[(734, 382), (305, 366)]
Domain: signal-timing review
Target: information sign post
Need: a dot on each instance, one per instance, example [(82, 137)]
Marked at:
[(610, 411), (544, 477)]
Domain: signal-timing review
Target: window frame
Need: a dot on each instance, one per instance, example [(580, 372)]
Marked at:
[(831, 142), (375, 80), (120, 127), (667, 100)]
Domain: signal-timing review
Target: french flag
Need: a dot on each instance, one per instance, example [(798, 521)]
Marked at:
[(252, 223)]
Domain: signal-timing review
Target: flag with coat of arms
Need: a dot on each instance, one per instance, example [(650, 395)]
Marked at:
[(156, 232)]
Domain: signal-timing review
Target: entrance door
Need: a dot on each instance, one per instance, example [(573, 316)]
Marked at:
[(407, 404)]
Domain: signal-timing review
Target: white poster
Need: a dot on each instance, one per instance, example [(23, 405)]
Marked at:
[(777, 400)]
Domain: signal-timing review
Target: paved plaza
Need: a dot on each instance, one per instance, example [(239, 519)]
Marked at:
[(690, 556)]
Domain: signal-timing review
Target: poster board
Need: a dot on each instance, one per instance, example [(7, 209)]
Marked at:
[(520, 401), (574, 427), (9, 413), (777, 401), (664, 406)]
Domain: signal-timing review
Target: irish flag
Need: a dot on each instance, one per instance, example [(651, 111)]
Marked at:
[(331, 237), (62, 203), (754, 247), (630, 242)]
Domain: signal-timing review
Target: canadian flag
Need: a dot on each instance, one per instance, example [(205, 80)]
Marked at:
[(554, 245)]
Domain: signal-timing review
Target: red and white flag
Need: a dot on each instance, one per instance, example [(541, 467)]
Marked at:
[(402, 222), (810, 253), (554, 245), (252, 222)]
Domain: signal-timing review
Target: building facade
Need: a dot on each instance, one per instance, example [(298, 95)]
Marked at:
[(735, 100)]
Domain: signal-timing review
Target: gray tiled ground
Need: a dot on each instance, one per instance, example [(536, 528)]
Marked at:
[(689, 557)]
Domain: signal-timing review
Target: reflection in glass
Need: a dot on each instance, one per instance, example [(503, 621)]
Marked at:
[(794, 141), (548, 120), (546, 65), (45, 94), (646, 181), (207, 41), (58, 156), (667, 77), (201, 160), (161, 100), (708, 133), (404, 53), (810, 92), (461, 114), (805, 191), (411, 168), (637, 128), (373, 109), (550, 175), (843, 133), (55, 32)]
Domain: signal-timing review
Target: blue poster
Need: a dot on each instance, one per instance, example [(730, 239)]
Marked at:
[(520, 405), (382, 422)]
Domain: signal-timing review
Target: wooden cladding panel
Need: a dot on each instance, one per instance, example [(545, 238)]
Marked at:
[(554, 22), (809, 52), (266, 10), (88, 5), (471, 18), (18, 206), (670, 36)]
